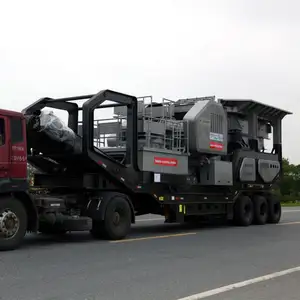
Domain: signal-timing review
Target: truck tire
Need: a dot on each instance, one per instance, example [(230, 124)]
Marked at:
[(13, 223), (243, 211), (260, 206), (117, 220), (274, 210)]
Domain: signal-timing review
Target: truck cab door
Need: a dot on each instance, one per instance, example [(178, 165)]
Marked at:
[(4, 147)]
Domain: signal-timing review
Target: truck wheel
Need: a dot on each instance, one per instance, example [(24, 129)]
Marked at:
[(243, 211), (117, 220), (274, 210), (260, 206), (13, 223)]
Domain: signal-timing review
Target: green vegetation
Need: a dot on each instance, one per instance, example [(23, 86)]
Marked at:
[(290, 204), (289, 188)]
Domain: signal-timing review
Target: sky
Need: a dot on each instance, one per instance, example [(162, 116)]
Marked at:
[(173, 49)]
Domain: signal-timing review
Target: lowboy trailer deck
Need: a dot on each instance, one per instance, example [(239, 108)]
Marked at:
[(184, 160)]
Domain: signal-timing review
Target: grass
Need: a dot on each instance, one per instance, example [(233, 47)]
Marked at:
[(290, 204)]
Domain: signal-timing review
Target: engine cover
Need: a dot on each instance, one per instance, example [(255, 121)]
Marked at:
[(268, 169), (206, 127)]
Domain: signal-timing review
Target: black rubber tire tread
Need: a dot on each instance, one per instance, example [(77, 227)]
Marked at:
[(274, 209), (260, 208), (242, 217), (18, 208), (119, 232)]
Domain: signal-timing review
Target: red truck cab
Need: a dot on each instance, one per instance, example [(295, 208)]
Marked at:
[(13, 152)]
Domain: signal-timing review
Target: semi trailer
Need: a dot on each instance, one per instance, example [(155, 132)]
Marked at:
[(185, 160)]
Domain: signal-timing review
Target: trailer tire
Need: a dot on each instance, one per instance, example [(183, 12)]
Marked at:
[(243, 211), (11, 209), (260, 206), (117, 220), (274, 210)]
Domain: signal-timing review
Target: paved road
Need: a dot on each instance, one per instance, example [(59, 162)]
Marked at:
[(157, 261)]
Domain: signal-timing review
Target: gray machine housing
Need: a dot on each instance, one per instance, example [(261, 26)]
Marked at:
[(206, 123), (203, 138)]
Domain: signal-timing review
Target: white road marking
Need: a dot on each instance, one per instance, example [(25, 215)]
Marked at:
[(149, 220), (289, 223), (237, 285), (153, 237), (161, 219), (290, 211)]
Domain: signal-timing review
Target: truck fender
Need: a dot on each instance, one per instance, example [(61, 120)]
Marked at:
[(31, 210), (96, 206)]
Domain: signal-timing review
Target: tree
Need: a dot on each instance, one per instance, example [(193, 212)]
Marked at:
[(290, 182)]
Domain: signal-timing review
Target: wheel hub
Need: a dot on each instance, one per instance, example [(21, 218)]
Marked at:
[(9, 223), (116, 218)]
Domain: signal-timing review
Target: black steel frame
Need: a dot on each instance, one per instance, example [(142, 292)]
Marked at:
[(127, 175)]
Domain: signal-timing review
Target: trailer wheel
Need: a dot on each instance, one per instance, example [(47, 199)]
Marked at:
[(13, 223), (260, 206), (274, 210), (243, 211), (117, 220)]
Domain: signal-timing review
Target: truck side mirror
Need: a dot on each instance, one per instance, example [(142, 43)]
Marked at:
[(269, 128)]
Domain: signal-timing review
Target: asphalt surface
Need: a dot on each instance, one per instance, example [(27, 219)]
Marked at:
[(157, 261)]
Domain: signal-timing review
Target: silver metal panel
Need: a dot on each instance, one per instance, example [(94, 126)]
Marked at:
[(184, 105), (217, 173), (158, 111), (262, 131), (112, 141), (108, 127), (155, 160), (261, 110), (150, 126), (207, 124), (268, 169), (248, 170), (122, 110)]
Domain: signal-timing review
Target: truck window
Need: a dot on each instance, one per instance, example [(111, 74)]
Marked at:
[(2, 132), (16, 130)]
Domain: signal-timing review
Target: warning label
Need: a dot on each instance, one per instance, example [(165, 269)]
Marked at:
[(216, 146), (164, 161), (217, 137)]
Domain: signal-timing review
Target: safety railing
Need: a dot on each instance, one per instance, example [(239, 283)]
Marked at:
[(156, 128)]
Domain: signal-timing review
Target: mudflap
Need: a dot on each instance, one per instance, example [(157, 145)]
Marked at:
[(180, 213), (230, 211)]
